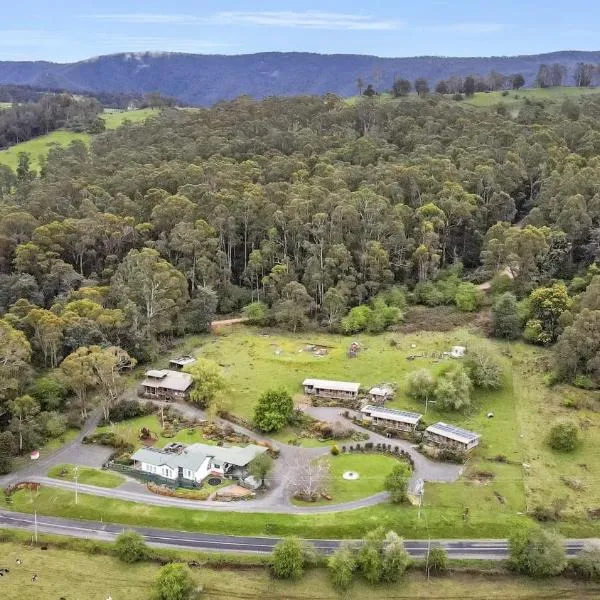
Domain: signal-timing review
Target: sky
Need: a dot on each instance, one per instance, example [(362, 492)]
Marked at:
[(69, 30)]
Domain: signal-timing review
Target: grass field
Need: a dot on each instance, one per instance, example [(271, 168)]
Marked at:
[(557, 94), (70, 574), (5, 105), (41, 145), (86, 475), (371, 468)]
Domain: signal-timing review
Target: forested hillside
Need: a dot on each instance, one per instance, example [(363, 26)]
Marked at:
[(311, 207), (205, 79)]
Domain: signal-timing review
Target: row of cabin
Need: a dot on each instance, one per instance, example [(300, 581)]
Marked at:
[(344, 390), (440, 434)]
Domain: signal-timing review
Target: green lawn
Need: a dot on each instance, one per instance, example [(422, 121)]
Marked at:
[(371, 468), (73, 574), (41, 145), (87, 475), (5, 105), (130, 431), (52, 446)]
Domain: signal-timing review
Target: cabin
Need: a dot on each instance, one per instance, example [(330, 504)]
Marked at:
[(338, 390), (196, 462), (179, 363), (380, 393), (451, 438), (458, 351), (167, 385), (391, 418)]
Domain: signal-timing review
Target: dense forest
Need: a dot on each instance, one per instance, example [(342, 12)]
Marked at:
[(204, 79), (301, 211)]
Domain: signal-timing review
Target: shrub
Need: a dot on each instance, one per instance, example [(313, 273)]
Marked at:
[(174, 582), (587, 563), (127, 409), (468, 297), (273, 411), (111, 439), (130, 547), (257, 313), (396, 483), (288, 559), (395, 558), (437, 559), (537, 552), (506, 321), (564, 437), (335, 450), (342, 565), (484, 368)]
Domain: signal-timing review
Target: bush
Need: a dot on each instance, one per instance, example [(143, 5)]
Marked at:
[(111, 439), (587, 563), (127, 409), (564, 437), (484, 368), (437, 560), (342, 565), (537, 552), (395, 558), (273, 411), (257, 313), (468, 297), (130, 547), (396, 483), (288, 559), (506, 321), (334, 450), (174, 582)]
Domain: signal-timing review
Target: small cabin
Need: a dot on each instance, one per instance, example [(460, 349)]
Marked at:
[(380, 393), (323, 388), (166, 384), (391, 418), (451, 437), (179, 363), (458, 351)]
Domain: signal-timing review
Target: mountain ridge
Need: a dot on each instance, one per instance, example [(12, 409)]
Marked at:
[(204, 79)]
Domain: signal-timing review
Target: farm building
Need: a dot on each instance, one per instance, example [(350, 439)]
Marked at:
[(391, 418), (196, 462), (166, 384), (181, 362), (380, 393), (451, 437), (340, 390)]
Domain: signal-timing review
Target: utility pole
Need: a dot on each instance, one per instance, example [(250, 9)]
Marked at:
[(76, 484), (35, 527)]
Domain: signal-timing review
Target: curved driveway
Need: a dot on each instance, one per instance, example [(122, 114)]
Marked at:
[(276, 501)]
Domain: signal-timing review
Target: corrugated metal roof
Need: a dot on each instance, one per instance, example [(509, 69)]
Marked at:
[(453, 433), (391, 414), (194, 455), (169, 380), (185, 460), (381, 391), (340, 386)]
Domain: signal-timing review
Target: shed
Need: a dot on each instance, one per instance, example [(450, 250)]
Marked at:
[(380, 393), (181, 362), (458, 351)]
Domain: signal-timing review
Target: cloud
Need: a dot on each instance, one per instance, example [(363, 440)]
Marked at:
[(170, 44), (22, 38), (462, 28), (292, 19)]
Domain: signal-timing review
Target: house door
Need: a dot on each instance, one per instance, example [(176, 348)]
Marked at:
[(180, 472)]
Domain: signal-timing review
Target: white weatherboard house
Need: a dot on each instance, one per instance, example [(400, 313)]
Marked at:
[(197, 461), (391, 418), (323, 388), (166, 384), (380, 393), (449, 436)]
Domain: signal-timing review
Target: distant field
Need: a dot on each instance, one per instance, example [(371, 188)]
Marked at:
[(513, 97), (41, 145), (484, 99), (69, 574), (5, 105)]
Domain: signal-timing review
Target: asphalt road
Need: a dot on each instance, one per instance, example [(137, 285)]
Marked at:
[(465, 549)]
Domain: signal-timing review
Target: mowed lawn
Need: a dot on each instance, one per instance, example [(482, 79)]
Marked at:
[(76, 575), (86, 475), (41, 145), (372, 469)]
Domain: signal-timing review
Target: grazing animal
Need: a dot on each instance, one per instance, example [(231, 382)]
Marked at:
[(18, 561), (34, 578), (3, 571)]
